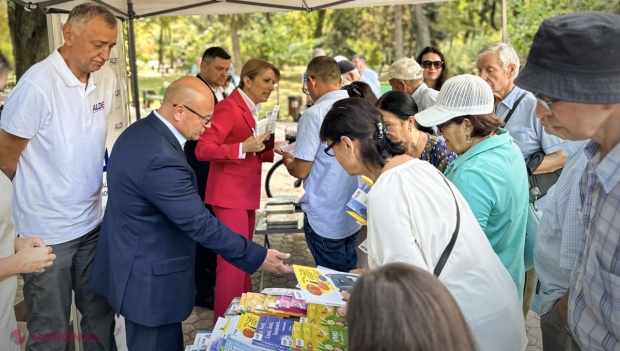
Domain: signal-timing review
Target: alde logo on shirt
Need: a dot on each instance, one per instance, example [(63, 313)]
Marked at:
[(113, 60), (98, 106)]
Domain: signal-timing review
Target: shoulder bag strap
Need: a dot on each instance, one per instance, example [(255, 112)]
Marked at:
[(514, 107), (446, 252)]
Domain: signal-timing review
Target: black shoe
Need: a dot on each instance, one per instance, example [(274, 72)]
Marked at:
[(204, 302)]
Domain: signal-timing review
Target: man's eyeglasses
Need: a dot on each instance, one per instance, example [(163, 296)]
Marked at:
[(329, 150), (428, 64), (304, 89), (204, 118), (546, 103)]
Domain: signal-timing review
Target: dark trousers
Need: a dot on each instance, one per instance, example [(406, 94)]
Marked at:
[(48, 298), (167, 337), (555, 337), (206, 265), (336, 254)]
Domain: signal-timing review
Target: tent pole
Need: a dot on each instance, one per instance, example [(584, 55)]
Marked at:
[(132, 58), (504, 21)]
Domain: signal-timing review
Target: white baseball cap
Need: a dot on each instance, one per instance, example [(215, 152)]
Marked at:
[(405, 69), (459, 96)]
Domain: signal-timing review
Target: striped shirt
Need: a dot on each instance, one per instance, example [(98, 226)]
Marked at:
[(559, 233), (594, 303)]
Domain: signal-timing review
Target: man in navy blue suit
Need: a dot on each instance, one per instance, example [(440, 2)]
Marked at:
[(144, 263)]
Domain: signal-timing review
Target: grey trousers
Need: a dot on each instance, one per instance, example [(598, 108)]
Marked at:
[(555, 337), (48, 298)]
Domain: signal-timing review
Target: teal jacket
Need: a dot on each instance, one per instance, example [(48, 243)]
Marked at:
[(493, 179)]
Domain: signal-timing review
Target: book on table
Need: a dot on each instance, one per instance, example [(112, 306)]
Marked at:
[(322, 285)]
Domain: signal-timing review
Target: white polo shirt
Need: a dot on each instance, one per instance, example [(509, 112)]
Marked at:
[(60, 172)]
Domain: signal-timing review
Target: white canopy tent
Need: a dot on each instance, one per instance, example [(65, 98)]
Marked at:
[(133, 9)]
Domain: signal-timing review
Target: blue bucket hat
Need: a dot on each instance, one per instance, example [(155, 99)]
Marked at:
[(575, 57)]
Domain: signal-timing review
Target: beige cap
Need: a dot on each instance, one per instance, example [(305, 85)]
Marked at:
[(405, 69)]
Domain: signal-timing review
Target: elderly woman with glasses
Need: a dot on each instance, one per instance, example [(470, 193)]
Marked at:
[(399, 111), (490, 171), (416, 216), (236, 154)]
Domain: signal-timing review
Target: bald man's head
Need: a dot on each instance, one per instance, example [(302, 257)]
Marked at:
[(188, 90), (188, 106)]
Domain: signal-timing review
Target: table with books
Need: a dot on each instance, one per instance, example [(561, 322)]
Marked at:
[(303, 319)]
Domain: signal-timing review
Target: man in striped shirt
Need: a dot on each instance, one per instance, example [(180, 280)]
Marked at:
[(574, 73)]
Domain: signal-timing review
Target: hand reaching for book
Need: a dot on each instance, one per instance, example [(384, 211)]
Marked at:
[(273, 262), (342, 311)]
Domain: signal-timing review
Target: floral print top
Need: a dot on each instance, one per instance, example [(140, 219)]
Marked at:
[(437, 154)]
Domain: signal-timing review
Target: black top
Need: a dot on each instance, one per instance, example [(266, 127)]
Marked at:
[(200, 168)]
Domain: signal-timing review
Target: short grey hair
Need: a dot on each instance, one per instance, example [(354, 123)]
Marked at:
[(506, 53), (359, 57), (83, 13)]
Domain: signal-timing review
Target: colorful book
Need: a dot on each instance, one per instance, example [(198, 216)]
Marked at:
[(323, 286)]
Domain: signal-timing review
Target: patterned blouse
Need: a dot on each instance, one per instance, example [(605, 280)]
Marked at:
[(437, 154)]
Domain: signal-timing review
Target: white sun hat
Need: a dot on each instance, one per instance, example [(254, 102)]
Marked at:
[(459, 96)]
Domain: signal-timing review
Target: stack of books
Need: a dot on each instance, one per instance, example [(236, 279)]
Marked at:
[(271, 305), (281, 213), (322, 330)]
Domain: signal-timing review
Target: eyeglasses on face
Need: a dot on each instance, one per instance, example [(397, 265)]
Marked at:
[(428, 64), (304, 89), (329, 150), (206, 119), (547, 104), (442, 126)]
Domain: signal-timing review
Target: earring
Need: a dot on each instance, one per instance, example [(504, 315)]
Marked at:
[(468, 138), (351, 154)]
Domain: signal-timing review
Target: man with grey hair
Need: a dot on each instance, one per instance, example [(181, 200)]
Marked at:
[(498, 64), (52, 145), (348, 72)]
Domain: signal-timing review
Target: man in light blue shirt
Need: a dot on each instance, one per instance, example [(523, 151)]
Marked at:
[(498, 64), (331, 234), (557, 244), (406, 75), (367, 75)]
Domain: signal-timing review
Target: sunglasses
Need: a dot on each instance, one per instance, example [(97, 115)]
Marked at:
[(428, 64), (546, 103), (206, 119), (442, 126)]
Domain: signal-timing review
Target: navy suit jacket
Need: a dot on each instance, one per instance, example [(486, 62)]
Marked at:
[(144, 263)]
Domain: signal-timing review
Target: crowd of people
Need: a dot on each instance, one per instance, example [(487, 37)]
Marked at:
[(454, 162)]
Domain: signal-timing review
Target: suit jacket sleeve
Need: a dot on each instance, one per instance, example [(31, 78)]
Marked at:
[(168, 186), (212, 143)]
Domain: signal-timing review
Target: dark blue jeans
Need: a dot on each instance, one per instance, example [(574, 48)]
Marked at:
[(336, 254)]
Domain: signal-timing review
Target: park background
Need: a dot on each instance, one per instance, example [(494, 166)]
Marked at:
[(167, 47)]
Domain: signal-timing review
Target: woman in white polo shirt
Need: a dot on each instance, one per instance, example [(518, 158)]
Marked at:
[(413, 214)]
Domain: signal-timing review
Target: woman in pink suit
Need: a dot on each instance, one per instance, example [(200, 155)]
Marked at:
[(236, 154)]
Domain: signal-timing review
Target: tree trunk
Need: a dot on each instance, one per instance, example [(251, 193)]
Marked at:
[(29, 37), (234, 36), (422, 29), (318, 31), (160, 64), (398, 31)]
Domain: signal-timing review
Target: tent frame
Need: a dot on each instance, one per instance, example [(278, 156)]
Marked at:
[(130, 16)]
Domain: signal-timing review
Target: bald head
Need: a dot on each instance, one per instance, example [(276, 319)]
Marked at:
[(189, 90), (188, 106)]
